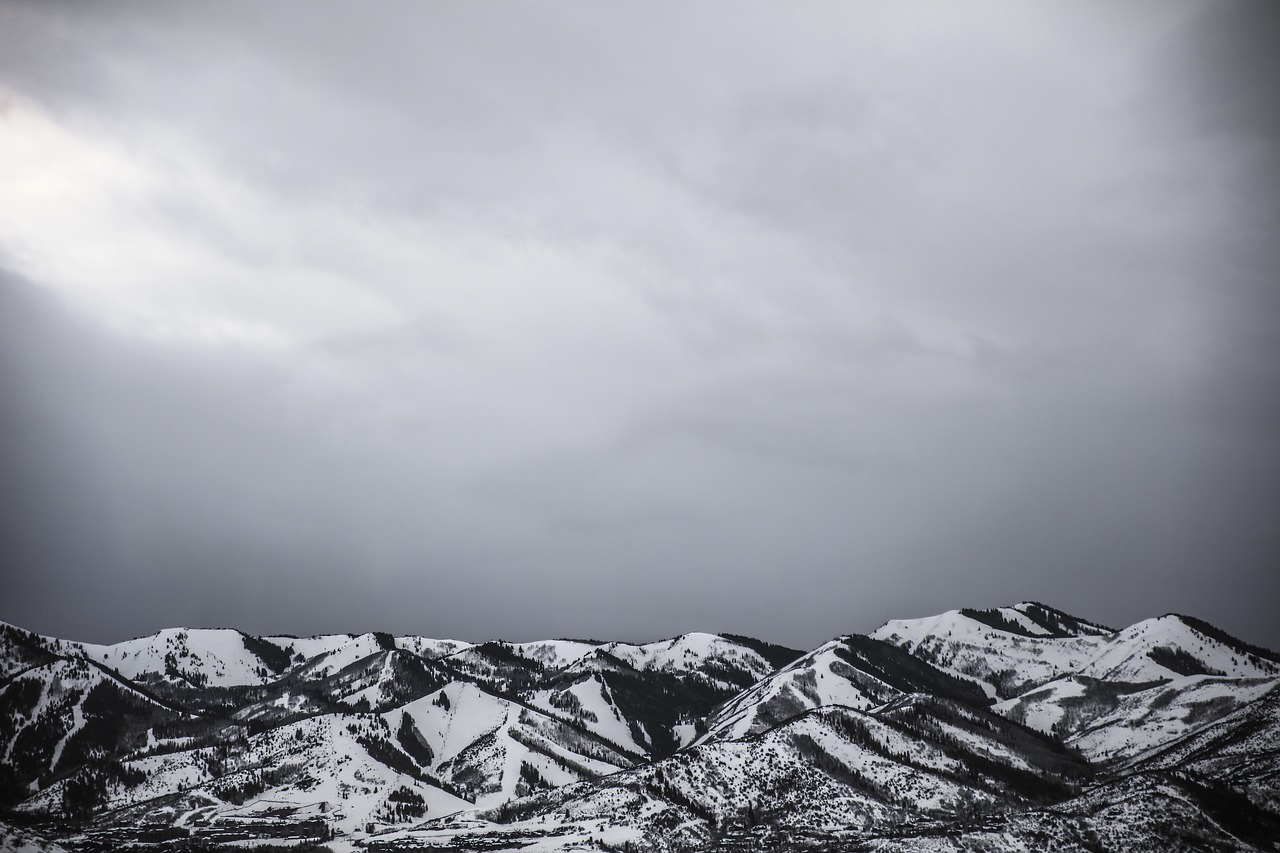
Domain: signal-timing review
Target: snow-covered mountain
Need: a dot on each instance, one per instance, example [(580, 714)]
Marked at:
[(1013, 728), (1110, 694)]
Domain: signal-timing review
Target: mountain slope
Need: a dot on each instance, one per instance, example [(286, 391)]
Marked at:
[(1011, 728), (852, 671)]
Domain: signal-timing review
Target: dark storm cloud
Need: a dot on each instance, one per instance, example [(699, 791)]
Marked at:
[(544, 321)]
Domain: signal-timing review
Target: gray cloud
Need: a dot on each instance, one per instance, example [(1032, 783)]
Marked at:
[(459, 322)]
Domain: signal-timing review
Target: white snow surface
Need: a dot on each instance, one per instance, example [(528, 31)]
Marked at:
[(218, 655), (556, 654), (690, 652), (1126, 656), (816, 679), (333, 644), (1160, 715), (429, 648), (465, 727), (337, 659), (966, 647), (973, 650)]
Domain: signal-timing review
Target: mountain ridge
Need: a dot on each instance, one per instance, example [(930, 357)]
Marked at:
[(989, 726)]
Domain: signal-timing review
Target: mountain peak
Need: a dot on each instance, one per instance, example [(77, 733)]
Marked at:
[(996, 715)]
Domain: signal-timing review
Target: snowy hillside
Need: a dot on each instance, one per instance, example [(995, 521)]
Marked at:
[(214, 658), (854, 672), (1012, 728), (1110, 694)]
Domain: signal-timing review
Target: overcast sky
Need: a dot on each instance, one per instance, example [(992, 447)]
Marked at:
[(623, 320)]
